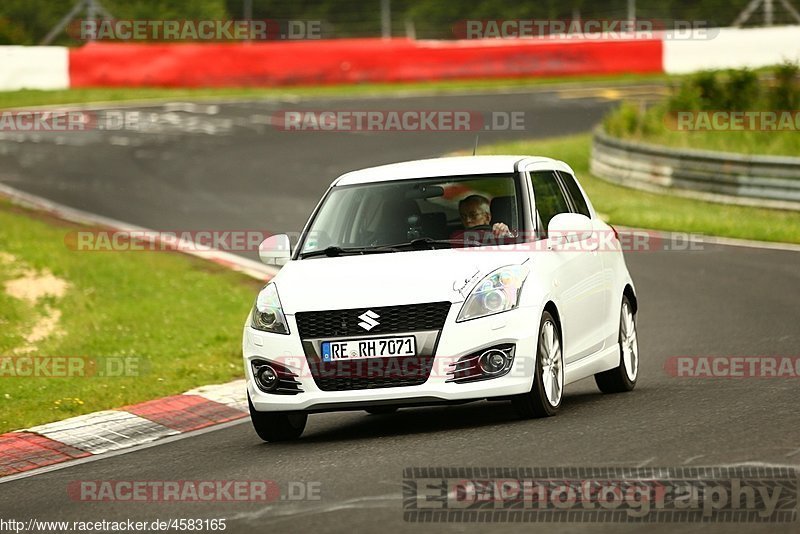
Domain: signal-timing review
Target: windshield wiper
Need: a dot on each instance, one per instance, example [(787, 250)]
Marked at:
[(421, 243), (428, 242), (334, 251)]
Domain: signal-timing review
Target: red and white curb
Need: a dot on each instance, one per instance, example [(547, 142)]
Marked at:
[(112, 430)]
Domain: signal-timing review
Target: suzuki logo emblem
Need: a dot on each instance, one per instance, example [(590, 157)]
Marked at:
[(368, 321)]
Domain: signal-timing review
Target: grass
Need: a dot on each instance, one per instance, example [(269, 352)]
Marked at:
[(689, 117), (657, 126), (630, 207), (15, 99), (179, 320)]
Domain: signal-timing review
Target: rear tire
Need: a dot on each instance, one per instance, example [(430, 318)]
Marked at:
[(623, 377), (381, 410), (277, 426), (544, 398)]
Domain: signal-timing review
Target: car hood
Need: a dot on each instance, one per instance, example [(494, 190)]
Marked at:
[(397, 278)]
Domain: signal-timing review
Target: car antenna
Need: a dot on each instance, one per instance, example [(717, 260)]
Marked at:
[(475, 148)]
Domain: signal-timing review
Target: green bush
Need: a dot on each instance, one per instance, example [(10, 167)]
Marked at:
[(785, 94), (737, 90), (624, 121), (686, 97), (741, 91), (708, 89), (26, 22), (774, 89)]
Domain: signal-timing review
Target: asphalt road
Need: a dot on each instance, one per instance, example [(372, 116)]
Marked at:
[(227, 166), (718, 301)]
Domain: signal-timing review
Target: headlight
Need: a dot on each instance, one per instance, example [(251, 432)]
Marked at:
[(496, 293), (267, 313)]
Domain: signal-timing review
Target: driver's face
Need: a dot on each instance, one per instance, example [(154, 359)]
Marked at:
[(473, 215)]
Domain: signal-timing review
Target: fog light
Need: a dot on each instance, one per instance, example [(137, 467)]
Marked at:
[(492, 362), (266, 378), (488, 363)]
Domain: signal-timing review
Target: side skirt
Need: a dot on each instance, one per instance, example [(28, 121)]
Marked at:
[(604, 360)]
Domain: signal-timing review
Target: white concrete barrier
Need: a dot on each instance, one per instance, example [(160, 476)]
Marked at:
[(730, 48), (34, 67), (47, 67)]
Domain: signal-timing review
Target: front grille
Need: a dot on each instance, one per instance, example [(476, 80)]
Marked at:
[(371, 373), (391, 319)]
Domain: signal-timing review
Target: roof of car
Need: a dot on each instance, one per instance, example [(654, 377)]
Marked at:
[(448, 166)]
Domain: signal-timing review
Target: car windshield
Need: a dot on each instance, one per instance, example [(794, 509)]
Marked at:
[(415, 213)]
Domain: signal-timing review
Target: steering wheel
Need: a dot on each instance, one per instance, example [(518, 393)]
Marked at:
[(476, 235), (485, 232)]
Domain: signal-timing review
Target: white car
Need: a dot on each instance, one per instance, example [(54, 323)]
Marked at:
[(441, 281)]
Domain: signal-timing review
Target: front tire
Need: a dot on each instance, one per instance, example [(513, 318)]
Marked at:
[(544, 398), (277, 426), (623, 377)]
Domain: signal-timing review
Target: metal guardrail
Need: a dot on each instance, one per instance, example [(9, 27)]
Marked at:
[(766, 181)]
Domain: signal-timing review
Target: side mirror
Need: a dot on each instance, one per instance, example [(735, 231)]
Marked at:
[(275, 250), (568, 228)]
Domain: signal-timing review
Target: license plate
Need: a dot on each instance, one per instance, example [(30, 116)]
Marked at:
[(355, 349)]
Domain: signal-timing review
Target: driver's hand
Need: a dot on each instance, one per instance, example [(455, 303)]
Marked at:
[(501, 230)]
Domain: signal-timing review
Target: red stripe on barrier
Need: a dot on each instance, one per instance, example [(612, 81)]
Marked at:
[(22, 451), (352, 61), (185, 412)]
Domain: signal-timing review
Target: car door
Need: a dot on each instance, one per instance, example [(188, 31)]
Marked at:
[(577, 272), (607, 319)]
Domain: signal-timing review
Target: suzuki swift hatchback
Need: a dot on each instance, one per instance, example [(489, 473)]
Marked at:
[(441, 281)]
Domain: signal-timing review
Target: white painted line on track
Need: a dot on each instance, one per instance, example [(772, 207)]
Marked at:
[(715, 240), (245, 266), (229, 394), (260, 271), (657, 82)]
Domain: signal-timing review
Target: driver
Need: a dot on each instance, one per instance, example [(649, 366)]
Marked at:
[(475, 212)]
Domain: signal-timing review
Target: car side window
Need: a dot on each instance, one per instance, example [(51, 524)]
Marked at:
[(578, 199), (549, 199)]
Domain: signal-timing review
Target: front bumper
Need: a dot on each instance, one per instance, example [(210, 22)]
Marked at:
[(456, 339)]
